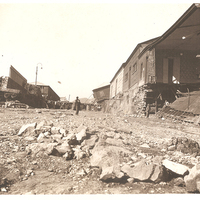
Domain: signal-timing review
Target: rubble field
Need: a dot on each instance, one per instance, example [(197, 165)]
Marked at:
[(48, 151)]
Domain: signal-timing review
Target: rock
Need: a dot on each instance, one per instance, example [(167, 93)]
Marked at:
[(145, 146), (57, 137), (171, 148), (68, 155), (62, 132), (140, 172), (71, 139), (180, 147), (130, 180), (28, 128), (114, 142), (47, 134), (157, 160), (30, 138), (107, 174), (192, 180), (80, 136), (80, 128), (62, 149), (179, 181), (34, 148), (41, 137), (110, 134), (175, 167), (41, 124), (111, 173), (107, 155), (90, 142), (159, 174), (55, 130), (79, 154)]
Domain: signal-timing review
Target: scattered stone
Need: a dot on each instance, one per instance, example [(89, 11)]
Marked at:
[(145, 146), (131, 180), (30, 138), (179, 182), (55, 130), (171, 148), (114, 142), (90, 142), (63, 149), (41, 137)]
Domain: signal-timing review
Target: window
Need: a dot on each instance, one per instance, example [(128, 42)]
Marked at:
[(141, 71), (134, 68), (126, 77)]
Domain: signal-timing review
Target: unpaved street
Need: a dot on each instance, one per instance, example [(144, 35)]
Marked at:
[(143, 138)]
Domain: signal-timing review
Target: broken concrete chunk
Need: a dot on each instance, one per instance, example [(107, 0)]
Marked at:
[(28, 128), (175, 167)]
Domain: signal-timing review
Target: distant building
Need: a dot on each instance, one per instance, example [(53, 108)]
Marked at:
[(102, 92), (47, 92)]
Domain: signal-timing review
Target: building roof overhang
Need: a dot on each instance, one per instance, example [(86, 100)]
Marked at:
[(183, 35)]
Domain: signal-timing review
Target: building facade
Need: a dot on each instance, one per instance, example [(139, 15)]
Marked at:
[(158, 68)]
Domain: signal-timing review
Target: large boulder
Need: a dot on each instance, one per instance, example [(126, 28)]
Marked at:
[(177, 168), (192, 180)]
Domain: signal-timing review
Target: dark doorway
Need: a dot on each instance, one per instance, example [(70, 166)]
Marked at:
[(170, 70)]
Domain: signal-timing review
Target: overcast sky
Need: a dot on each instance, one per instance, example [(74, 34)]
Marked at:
[(79, 45)]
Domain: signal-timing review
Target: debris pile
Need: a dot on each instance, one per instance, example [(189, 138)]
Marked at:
[(110, 152)]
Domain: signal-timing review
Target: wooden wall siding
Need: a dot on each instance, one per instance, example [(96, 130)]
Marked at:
[(116, 86), (132, 75)]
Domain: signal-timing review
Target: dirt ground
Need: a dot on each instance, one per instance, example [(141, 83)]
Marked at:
[(55, 175)]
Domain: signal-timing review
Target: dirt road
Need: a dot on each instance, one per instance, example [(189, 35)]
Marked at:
[(49, 174)]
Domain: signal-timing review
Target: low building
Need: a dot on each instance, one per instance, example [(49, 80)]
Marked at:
[(47, 92), (102, 92)]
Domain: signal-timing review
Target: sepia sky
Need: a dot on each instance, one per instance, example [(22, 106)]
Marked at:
[(81, 45)]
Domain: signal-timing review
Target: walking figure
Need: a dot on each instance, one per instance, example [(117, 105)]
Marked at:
[(77, 105)]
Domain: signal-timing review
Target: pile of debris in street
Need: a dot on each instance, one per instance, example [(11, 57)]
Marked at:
[(119, 155)]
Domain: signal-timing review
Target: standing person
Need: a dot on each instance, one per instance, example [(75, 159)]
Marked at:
[(77, 105)]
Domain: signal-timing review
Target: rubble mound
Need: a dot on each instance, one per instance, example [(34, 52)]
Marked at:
[(184, 145)]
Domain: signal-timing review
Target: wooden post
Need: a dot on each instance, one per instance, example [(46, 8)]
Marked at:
[(156, 106), (147, 110)]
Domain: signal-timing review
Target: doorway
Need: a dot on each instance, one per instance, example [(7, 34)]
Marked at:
[(170, 70)]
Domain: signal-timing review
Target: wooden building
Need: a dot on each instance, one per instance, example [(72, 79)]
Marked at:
[(116, 84), (159, 68), (102, 92), (47, 92)]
